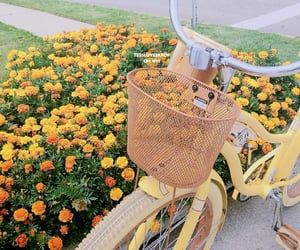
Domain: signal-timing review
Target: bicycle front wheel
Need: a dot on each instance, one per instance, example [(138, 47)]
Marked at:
[(291, 194), (120, 228)]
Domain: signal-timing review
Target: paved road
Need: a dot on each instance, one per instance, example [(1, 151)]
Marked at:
[(248, 225), (278, 16)]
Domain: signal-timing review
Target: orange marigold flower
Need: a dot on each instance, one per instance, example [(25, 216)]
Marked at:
[(31, 91), (96, 220), (2, 119), (4, 195), (9, 182), (40, 187), (52, 138), (5, 166), (267, 147), (81, 119), (64, 144), (21, 214), (21, 240), (65, 215), (23, 108), (38, 208), (28, 168), (55, 243), (87, 148), (41, 110), (173, 42), (46, 166), (64, 229), (70, 161), (110, 182), (2, 179), (128, 174)]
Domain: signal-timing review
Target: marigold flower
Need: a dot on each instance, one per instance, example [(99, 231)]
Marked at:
[(40, 187), (173, 42), (2, 119), (21, 214), (267, 147), (7, 151), (128, 174), (55, 243), (65, 215), (21, 240), (31, 91), (122, 162), (107, 162), (70, 161), (131, 43), (109, 140), (46, 166), (88, 148), (110, 181), (108, 78), (52, 138), (108, 120), (28, 168), (5, 166), (64, 144), (155, 226), (94, 48), (9, 183), (96, 220), (296, 91), (81, 119), (116, 194), (263, 55), (120, 117), (262, 96), (23, 108), (4, 195), (2, 179), (38, 208), (64, 229)]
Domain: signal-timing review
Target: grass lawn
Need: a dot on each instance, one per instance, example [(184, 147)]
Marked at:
[(13, 38), (231, 37)]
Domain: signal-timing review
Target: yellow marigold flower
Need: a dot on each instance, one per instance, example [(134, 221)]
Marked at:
[(275, 106), (283, 123), (128, 174), (289, 101), (262, 96), (120, 117), (122, 162), (108, 120), (94, 48), (116, 194), (242, 102), (110, 139), (236, 81), (107, 162), (21, 214), (296, 91), (55, 243), (284, 105), (108, 78), (297, 77), (81, 119), (65, 215), (131, 43), (263, 55), (31, 91), (38, 208), (7, 151), (2, 119)]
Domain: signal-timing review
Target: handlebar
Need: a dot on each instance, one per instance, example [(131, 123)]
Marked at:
[(202, 58)]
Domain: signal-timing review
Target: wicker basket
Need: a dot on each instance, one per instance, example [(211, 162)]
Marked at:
[(174, 134)]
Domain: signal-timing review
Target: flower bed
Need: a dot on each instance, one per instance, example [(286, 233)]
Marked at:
[(63, 129)]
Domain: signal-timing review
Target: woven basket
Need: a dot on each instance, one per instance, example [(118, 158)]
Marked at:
[(170, 135)]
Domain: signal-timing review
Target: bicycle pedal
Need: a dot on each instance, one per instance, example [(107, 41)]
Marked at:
[(288, 238)]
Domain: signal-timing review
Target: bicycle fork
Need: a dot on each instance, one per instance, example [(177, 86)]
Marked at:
[(287, 237)]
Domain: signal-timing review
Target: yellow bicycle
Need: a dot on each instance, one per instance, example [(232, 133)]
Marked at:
[(188, 215)]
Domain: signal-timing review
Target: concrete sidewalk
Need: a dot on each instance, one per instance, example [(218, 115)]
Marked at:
[(37, 22)]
